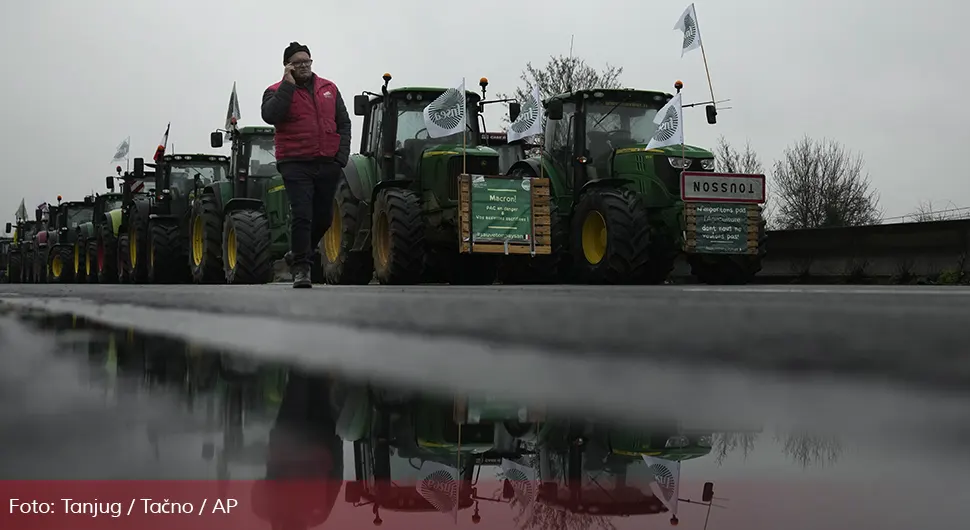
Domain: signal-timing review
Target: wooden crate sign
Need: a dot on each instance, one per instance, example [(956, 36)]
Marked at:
[(504, 215)]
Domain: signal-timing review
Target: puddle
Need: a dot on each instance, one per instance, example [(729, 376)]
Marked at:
[(84, 401)]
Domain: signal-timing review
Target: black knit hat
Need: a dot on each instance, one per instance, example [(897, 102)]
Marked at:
[(293, 49)]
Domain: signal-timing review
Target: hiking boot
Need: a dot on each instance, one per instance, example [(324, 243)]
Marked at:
[(301, 277)]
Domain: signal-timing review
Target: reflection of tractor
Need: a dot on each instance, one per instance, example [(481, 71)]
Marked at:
[(622, 204), (128, 223), (91, 265), (62, 257), (240, 226), (401, 210), (420, 453), (178, 180)]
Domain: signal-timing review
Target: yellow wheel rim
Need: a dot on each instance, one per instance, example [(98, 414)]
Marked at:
[(331, 240), (594, 237), (151, 256), (382, 236), (231, 248), (133, 247), (57, 267), (197, 240), (87, 264), (77, 259)]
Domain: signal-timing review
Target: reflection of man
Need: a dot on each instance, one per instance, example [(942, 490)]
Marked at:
[(312, 145), (304, 464)]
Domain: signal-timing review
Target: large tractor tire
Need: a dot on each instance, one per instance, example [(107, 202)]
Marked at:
[(122, 254), (42, 258), (245, 248), (80, 276), (737, 269), (137, 248), (59, 265), (166, 254), (107, 253), (28, 265), (91, 261), (541, 269), (398, 243), (205, 242), (341, 266), (610, 237), (15, 267)]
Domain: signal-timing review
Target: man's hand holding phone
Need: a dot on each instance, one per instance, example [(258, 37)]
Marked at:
[(288, 73)]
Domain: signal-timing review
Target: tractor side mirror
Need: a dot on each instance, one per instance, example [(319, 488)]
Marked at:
[(215, 139), (708, 494), (711, 114), (8, 228), (514, 110), (139, 168), (109, 182), (360, 105), (554, 110)]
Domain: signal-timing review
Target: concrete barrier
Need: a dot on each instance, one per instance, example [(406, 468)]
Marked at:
[(934, 251)]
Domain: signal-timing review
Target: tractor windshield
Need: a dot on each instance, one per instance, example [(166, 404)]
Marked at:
[(183, 175), (79, 214), (260, 156), (412, 129), (112, 204), (620, 123)]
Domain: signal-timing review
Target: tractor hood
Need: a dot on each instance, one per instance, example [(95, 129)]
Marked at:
[(687, 151), (450, 149)]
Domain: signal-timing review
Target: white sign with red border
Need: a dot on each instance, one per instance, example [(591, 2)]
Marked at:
[(722, 187)]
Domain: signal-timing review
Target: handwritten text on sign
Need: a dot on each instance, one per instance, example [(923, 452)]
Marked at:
[(720, 228), (501, 209)]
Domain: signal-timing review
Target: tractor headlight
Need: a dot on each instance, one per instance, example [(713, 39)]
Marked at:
[(679, 163), (705, 440), (677, 441), (708, 164)]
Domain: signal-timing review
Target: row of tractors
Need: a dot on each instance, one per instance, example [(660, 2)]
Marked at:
[(606, 210)]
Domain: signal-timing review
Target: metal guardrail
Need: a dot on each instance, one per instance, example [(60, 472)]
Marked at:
[(935, 251)]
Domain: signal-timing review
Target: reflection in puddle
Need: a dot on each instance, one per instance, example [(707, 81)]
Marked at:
[(214, 415)]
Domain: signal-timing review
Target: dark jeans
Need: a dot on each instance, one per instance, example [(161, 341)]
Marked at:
[(310, 187)]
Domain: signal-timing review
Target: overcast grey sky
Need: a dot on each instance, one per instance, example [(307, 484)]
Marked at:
[(885, 78)]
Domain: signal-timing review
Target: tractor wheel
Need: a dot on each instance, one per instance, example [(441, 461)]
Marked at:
[(541, 269), (42, 265), (59, 269), (107, 262), (245, 248), (79, 252), (205, 242), (91, 262), (341, 266), (15, 267), (122, 259), (737, 269), (166, 254), (137, 248), (397, 237), (28, 265), (610, 236)]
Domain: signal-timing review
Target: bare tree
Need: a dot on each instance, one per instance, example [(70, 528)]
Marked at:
[(725, 443), (807, 450), (731, 160), (925, 213), (822, 184)]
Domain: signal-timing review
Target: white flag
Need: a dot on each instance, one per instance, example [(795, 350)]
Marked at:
[(121, 152), (21, 214), (688, 25), (670, 125), (666, 481), (529, 122), (446, 115)]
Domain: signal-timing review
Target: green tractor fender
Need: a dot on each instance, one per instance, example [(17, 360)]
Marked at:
[(242, 203), (85, 231), (611, 182), (113, 220), (219, 192)]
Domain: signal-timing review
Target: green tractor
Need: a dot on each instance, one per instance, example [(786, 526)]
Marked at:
[(130, 223), (179, 178), (98, 262), (20, 251), (5, 245), (626, 216), (240, 225), (62, 257), (405, 209)]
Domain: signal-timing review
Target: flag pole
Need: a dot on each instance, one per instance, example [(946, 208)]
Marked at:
[(707, 70), (464, 132)]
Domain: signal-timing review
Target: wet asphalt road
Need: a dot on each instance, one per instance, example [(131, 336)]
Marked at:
[(905, 334)]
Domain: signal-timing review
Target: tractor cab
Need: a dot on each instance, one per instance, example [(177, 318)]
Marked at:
[(70, 215), (252, 164), (600, 134), (178, 178)]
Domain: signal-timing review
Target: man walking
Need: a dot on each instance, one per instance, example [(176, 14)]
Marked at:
[(312, 146)]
